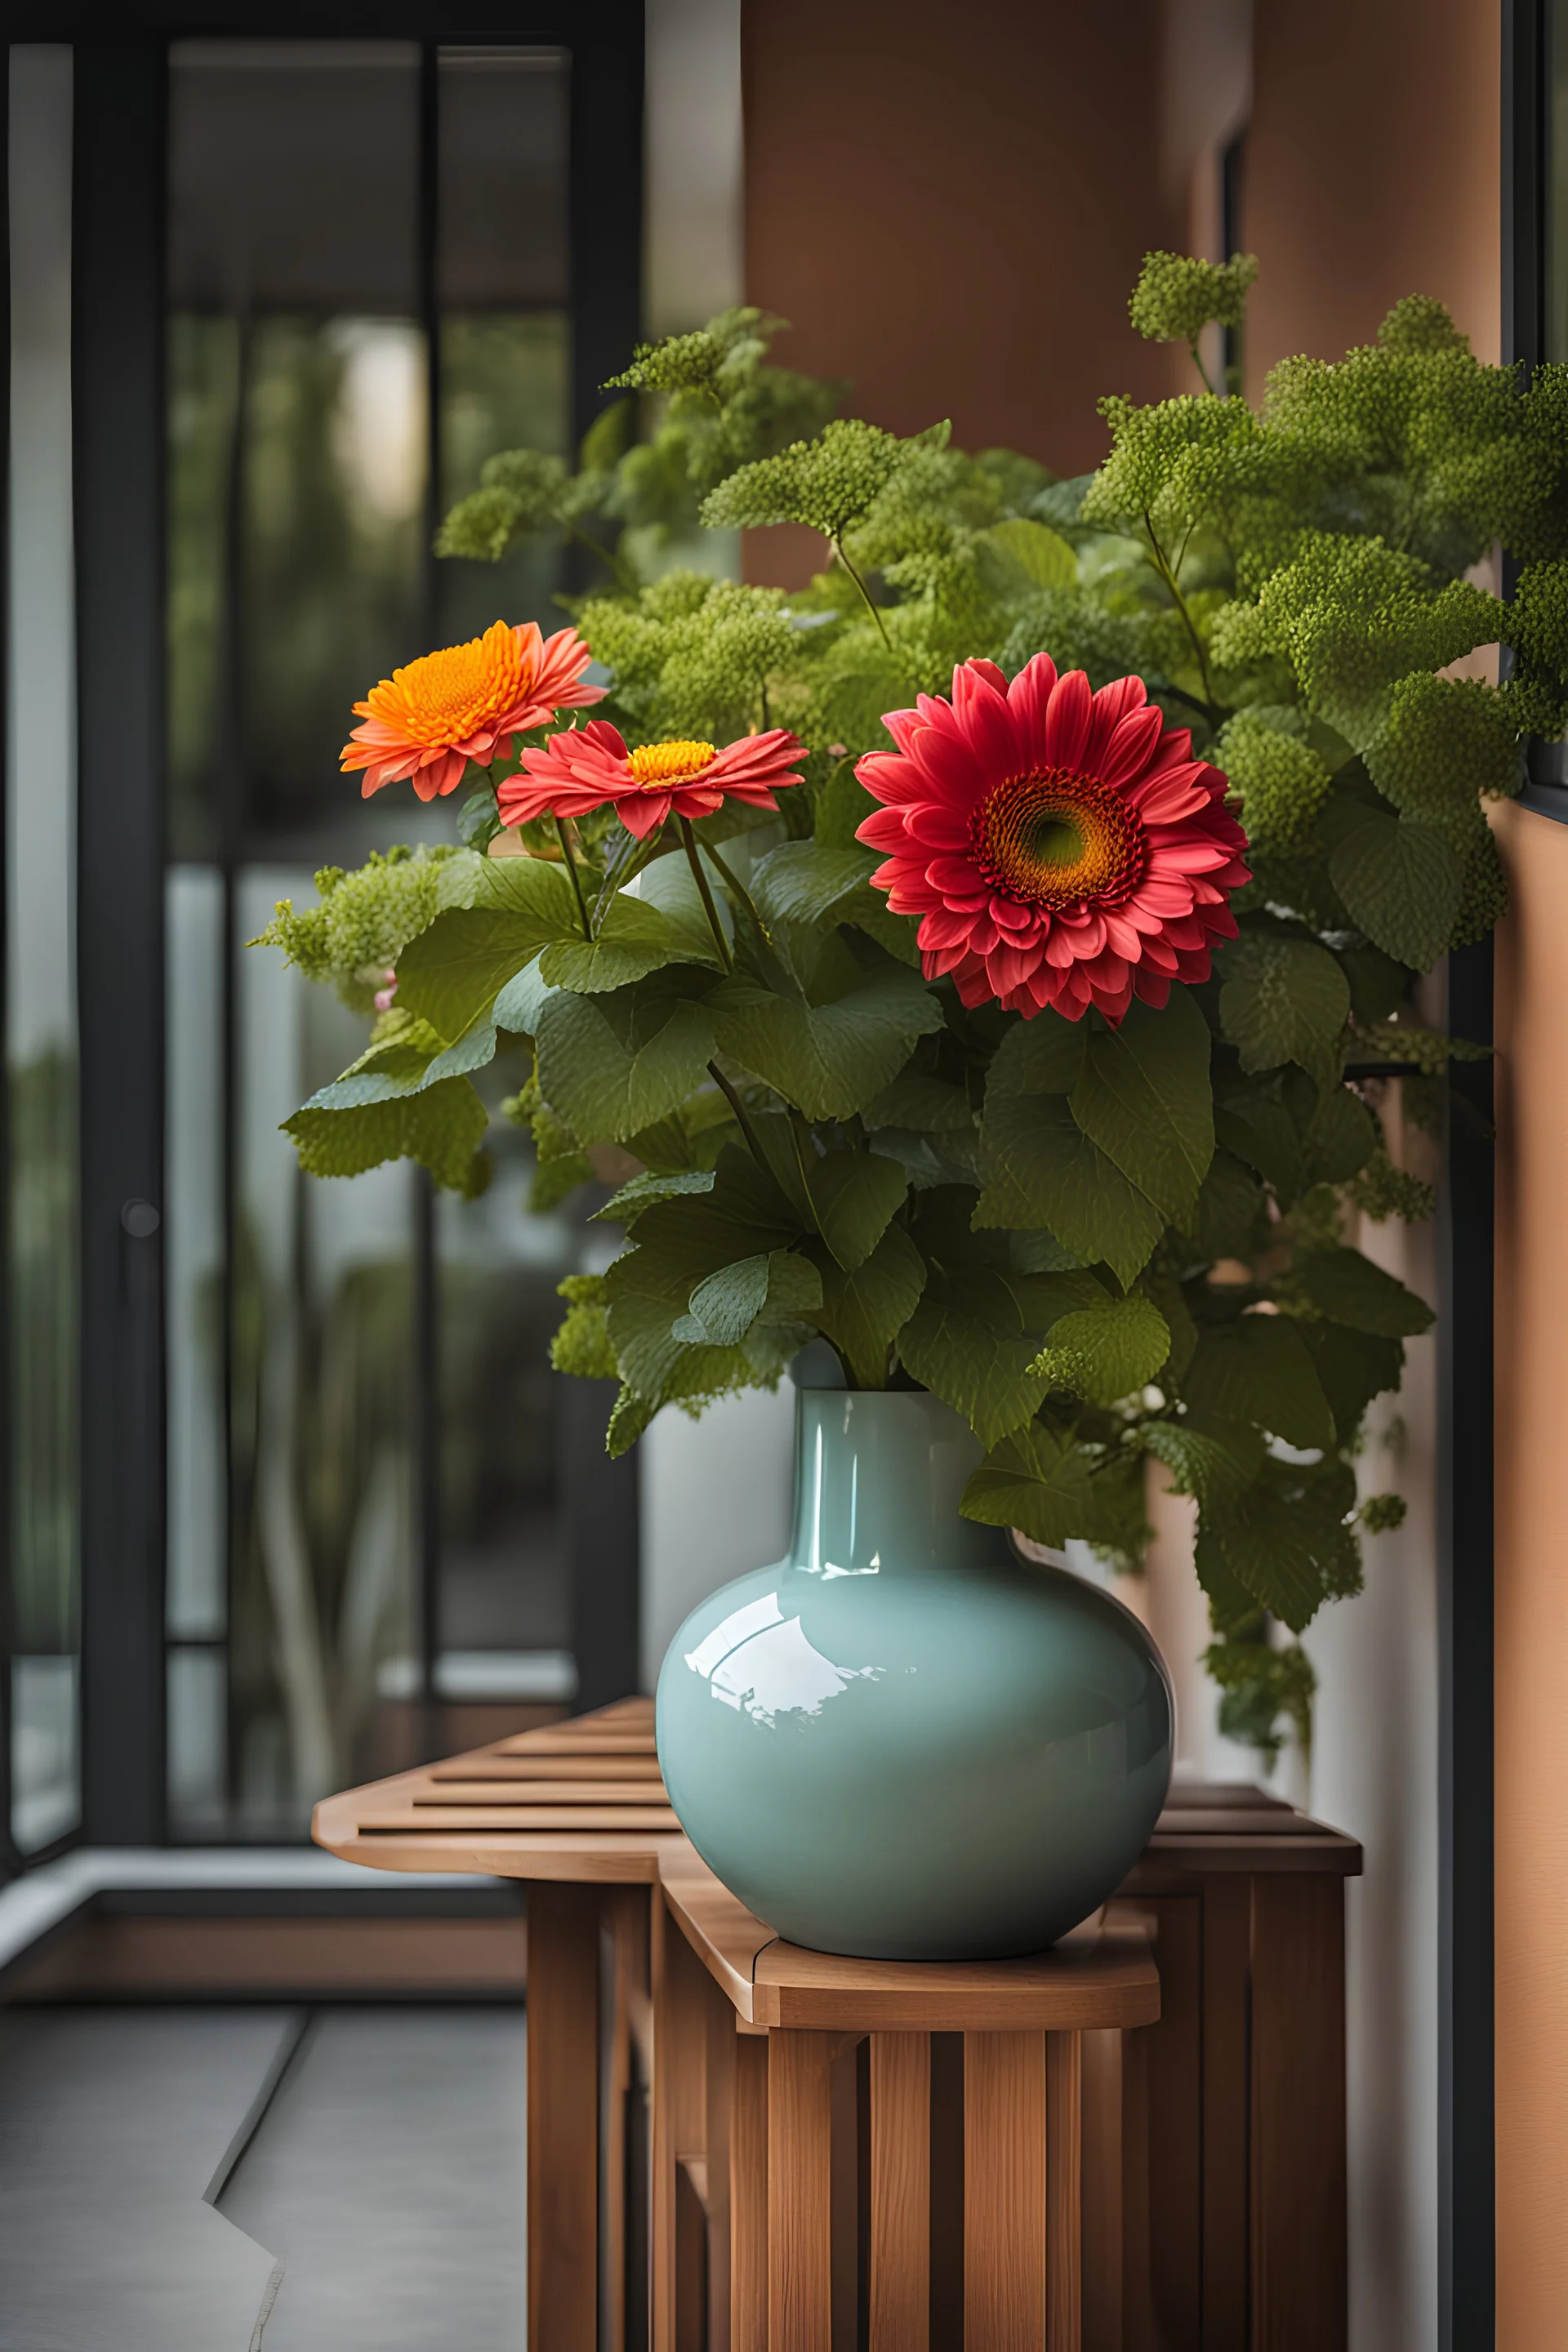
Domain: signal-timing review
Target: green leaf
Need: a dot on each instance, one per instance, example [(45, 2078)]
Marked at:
[(644, 1190), (611, 1064), (1214, 1465), (519, 1004), (1040, 1169), (1285, 1539), (1340, 1138), (632, 939), (863, 1311), (1144, 1098), (1401, 883), (725, 1304), (442, 1128), (1284, 1000), (1042, 1056), (628, 1420), (1230, 1202), (914, 1100), (1035, 1481), (854, 1196), (1347, 1288), (1257, 1126), (1104, 1353), (1041, 554), (1258, 1368), (804, 883), (973, 1341), (828, 1052), (1353, 1368), (450, 973)]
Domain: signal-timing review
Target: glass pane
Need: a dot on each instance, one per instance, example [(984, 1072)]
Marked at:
[(306, 1406), (41, 1027)]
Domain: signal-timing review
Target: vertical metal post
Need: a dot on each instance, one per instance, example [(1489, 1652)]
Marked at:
[(117, 425)]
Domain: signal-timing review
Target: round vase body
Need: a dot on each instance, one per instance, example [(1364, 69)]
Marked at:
[(902, 1742)]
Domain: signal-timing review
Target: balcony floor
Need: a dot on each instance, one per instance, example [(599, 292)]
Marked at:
[(376, 2207)]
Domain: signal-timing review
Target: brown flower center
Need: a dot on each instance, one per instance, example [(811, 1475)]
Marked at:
[(662, 764), (1056, 838)]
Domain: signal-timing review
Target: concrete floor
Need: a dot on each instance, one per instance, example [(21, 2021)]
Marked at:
[(377, 2206)]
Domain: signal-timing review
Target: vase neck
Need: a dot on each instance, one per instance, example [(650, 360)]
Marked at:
[(878, 1475)]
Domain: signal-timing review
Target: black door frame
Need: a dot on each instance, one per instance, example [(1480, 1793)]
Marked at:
[(121, 75)]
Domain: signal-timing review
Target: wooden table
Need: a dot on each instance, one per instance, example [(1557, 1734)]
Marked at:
[(1006, 2157)]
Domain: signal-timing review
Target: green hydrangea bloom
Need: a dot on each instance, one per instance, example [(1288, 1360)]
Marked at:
[(1176, 297), (1283, 781)]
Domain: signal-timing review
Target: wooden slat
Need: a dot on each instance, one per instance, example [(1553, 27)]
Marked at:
[(749, 2197), (1005, 2191), (1064, 2208), (1100, 1982), (718, 1927), (436, 1820), (800, 2144), (900, 2192), (480, 1793), (1298, 2268), (1100, 2176), (1223, 2044), (501, 1771), (564, 2118)]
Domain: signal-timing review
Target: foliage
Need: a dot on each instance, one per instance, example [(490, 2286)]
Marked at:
[(1108, 1247)]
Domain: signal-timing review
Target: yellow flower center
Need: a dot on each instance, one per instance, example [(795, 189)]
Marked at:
[(445, 697), (659, 765), (1056, 838)]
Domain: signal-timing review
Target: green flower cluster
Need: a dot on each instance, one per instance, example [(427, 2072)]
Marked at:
[(1067, 1231)]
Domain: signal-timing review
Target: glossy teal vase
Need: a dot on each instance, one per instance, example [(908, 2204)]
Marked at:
[(903, 1742)]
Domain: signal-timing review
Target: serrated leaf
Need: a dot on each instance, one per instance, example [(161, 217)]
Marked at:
[(915, 1100), (1340, 1138), (1214, 1465), (1259, 1129), (632, 940), (450, 975), (804, 883), (630, 1418), (725, 1304), (1230, 1202), (1143, 1096), (1286, 1540), (611, 1064), (442, 1128), (1347, 1288), (1258, 1368), (854, 1196), (1400, 883), (1040, 1169), (863, 1311), (1039, 552), (973, 1341), (644, 1190), (1353, 1368), (1042, 1056), (1034, 1481), (1284, 1000), (826, 1057), (1105, 1352)]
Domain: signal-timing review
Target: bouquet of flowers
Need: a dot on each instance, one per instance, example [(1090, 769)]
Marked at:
[(983, 960)]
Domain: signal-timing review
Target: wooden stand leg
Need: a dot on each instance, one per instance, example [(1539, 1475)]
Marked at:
[(1101, 2192), (799, 2209), (1004, 2192), (749, 2196), (1064, 2193), (563, 2117), (900, 2192)]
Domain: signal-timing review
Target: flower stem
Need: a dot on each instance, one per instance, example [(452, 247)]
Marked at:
[(1196, 357), (732, 882), (688, 842), (561, 835), (739, 1107), (865, 595), (1162, 566)]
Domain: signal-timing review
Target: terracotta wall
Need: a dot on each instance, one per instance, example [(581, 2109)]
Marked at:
[(1372, 169), (1532, 1586)]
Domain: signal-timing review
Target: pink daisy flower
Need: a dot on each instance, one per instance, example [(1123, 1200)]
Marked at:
[(587, 768), (1061, 847), (428, 720)]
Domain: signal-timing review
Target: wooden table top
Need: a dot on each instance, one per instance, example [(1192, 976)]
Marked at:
[(583, 1800)]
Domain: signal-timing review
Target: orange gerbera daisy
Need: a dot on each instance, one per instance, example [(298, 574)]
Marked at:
[(428, 720), (586, 768)]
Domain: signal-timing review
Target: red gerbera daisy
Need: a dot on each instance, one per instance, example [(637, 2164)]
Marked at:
[(428, 720), (587, 766), (1061, 847)]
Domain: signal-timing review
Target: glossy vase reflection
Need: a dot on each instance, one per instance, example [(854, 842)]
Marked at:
[(901, 1741)]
